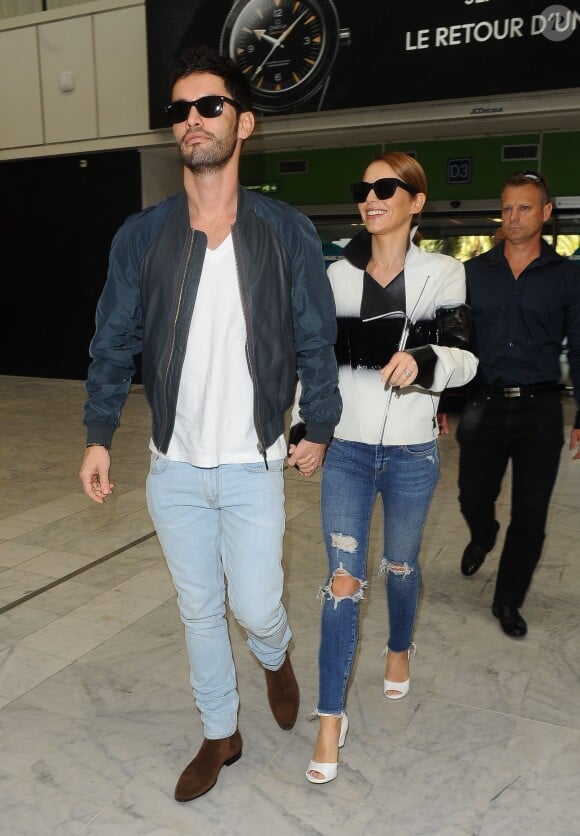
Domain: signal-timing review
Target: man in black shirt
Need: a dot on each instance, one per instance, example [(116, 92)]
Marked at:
[(524, 298)]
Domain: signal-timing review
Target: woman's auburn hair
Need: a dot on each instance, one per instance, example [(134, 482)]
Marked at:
[(407, 169)]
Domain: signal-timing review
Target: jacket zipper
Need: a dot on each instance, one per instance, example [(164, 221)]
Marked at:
[(249, 341), (402, 344), (189, 245)]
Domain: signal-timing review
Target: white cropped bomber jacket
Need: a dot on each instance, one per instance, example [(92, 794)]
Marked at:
[(371, 413)]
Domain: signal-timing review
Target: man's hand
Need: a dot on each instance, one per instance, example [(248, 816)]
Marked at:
[(575, 443), (307, 456), (94, 473), (443, 423)]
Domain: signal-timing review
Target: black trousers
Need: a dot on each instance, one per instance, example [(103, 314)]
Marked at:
[(492, 431)]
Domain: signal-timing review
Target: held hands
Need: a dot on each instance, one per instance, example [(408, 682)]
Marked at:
[(575, 443), (94, 474), (307, 456), (400, 371)]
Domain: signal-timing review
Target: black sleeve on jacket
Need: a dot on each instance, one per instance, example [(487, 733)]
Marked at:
[(455, 330), (425, 358), (297, 433)]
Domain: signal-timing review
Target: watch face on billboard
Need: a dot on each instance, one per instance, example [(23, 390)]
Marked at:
[(314, 55), (286, 49)]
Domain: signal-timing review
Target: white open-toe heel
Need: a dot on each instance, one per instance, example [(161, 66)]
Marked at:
[(328, 770), (401, 689)]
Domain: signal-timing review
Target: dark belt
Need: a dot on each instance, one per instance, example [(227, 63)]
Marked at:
[(520, 391)]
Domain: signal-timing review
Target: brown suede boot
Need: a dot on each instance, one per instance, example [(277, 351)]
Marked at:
[(201, 774), (283, 694)]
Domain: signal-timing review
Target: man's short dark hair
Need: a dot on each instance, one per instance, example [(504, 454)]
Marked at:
[(203, 59), (525, 178)]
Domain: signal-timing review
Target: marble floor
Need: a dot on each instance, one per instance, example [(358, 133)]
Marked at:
[(96, 713)]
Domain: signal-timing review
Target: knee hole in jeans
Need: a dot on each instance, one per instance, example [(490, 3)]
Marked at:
[(401, 569), (342, 586)]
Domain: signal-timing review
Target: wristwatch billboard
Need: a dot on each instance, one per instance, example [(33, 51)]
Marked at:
[(286, 48)]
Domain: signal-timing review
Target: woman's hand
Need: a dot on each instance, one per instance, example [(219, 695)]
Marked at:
[(307, 456), (401, 370)]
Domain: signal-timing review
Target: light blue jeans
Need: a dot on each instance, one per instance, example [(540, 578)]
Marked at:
[(352, 477), (218, 525)]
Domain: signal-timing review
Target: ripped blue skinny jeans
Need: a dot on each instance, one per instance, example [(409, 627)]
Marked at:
[(352, 477)]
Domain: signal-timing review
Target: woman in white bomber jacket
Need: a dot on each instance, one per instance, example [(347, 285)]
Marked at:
[(403, 337)]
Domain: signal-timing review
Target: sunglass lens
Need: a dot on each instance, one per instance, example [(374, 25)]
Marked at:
[(178, 112), (385, 188), (210, 106), (360, 191)]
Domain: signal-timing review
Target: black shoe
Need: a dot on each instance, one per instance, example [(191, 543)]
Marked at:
[(510, 620), (473, 557)]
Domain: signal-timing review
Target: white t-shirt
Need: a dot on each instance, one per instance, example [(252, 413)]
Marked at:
[(215, 405)]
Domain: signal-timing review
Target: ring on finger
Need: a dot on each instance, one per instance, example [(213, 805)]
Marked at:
[(407, 373)]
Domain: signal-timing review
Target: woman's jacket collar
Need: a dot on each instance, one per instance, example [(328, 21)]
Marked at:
[(359, 249)]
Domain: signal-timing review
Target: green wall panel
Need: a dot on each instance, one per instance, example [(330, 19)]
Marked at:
[(560, 153), (326, 179), (488, 172), (329, 171)]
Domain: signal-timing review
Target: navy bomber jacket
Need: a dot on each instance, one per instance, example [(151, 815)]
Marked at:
[(147, 303)]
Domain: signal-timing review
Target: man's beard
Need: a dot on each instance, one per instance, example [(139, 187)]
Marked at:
[(207, 159)]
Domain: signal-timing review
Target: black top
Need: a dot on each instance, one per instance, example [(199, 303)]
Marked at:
[(377, 300), (520, 324), (369, 341)]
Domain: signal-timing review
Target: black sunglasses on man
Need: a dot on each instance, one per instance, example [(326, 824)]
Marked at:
[(207, 106)]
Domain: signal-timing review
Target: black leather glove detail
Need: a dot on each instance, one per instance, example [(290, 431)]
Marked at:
[(454, 327), (425, 358)]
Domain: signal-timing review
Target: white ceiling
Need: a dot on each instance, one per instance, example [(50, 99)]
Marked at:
[(500, 115)]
